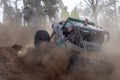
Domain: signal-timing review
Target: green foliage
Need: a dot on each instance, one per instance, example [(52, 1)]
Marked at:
[(75, 13), (64, 13)]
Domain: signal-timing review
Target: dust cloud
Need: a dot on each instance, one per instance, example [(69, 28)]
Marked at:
[(55, 63), (63, 64), (18, 35), (52, 59)]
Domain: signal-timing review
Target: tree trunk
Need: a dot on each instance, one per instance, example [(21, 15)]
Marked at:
[(5, 20), (95, 16), (115, 18), (16, 6)]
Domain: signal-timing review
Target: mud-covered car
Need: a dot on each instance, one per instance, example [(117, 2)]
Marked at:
[(73, 31)]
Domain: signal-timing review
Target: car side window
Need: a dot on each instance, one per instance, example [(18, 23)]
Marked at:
[(68, 24)]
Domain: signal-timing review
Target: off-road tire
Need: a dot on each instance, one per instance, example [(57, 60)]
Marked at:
[(41, 35)]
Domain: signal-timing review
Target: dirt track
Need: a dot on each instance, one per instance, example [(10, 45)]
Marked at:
[(50, 62), (12, 68), (51, 66)]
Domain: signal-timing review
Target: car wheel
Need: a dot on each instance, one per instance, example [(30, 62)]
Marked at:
[(41, 35)]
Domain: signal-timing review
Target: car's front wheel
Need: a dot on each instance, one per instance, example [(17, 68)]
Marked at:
[(41, 35)]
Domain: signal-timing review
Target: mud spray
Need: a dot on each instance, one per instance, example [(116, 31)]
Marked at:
[(54, 63)]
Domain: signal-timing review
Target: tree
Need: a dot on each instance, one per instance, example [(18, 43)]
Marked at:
[(43, 7), (61, 5), (107, 17), (9, 10), (64, 13), (75, 13), (97, 5), (7, 13), (35, 4), (16, 5), (51, 8), (93, 4)]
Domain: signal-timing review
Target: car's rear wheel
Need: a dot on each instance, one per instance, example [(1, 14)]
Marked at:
[(41, 35)]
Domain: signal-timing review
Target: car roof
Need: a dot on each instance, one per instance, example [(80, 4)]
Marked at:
[(91, 26), (80, 21)]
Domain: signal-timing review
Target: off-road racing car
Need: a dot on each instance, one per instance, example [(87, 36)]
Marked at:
[(88, 38), (79, 39)]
